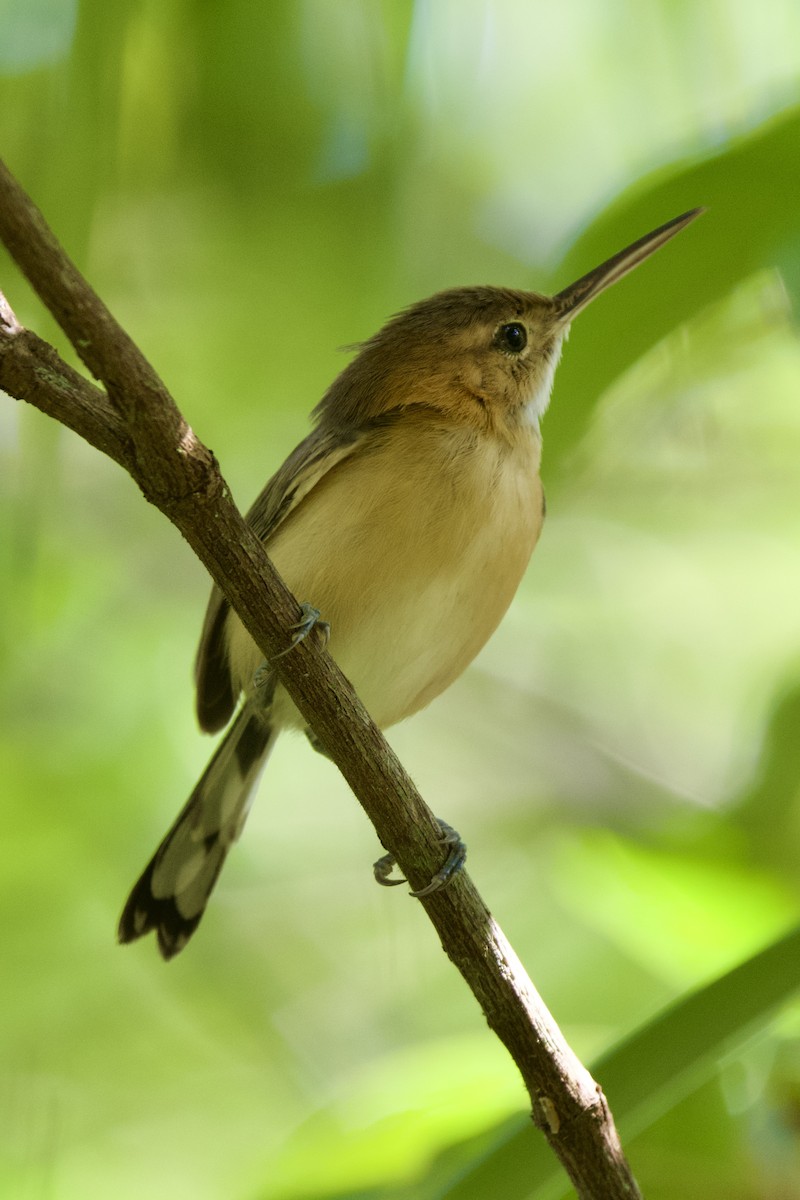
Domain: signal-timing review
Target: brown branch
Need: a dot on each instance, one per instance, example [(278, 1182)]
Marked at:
[(136, 422), (32, 370)]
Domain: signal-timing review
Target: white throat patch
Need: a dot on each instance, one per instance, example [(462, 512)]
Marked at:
[(537, 405)]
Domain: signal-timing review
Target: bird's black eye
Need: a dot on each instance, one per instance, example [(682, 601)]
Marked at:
[(513, 337)]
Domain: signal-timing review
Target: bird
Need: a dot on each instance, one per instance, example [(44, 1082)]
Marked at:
[(404, 523)]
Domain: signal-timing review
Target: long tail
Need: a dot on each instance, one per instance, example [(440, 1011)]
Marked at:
[(172, 893)]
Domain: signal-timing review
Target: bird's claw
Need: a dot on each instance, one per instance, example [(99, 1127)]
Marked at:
[(383, 868), (311, 619), (264, 676), (456, 857)]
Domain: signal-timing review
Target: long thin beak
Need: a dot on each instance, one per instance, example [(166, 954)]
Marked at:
[(574, 298)]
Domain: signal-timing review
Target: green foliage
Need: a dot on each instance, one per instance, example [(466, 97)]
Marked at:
[(250, 187)]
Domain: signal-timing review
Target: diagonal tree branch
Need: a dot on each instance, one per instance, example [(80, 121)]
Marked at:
[(136, 422), (33, 370)]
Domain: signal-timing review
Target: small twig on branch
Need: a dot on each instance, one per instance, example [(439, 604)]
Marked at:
[(136, 422)]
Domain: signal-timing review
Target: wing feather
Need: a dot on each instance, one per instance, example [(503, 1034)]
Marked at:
[(302, 471)]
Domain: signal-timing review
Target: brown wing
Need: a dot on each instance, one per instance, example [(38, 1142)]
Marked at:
[(305, 466)]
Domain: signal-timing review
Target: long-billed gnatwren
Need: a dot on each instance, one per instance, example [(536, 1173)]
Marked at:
[(406, 518)]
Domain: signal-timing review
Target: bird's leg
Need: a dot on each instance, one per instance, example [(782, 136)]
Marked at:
[(456, 857)]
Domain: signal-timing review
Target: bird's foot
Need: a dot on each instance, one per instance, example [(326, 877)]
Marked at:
[(311, 619), (264, 677), (454, 862)]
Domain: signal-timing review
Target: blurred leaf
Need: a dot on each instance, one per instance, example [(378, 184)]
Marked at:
[(769, 811), (747, 227), (707, 913)]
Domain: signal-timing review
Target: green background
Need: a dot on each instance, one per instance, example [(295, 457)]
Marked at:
[(250, 186)]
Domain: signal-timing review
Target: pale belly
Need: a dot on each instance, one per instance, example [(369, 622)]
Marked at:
[(413, 558)]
